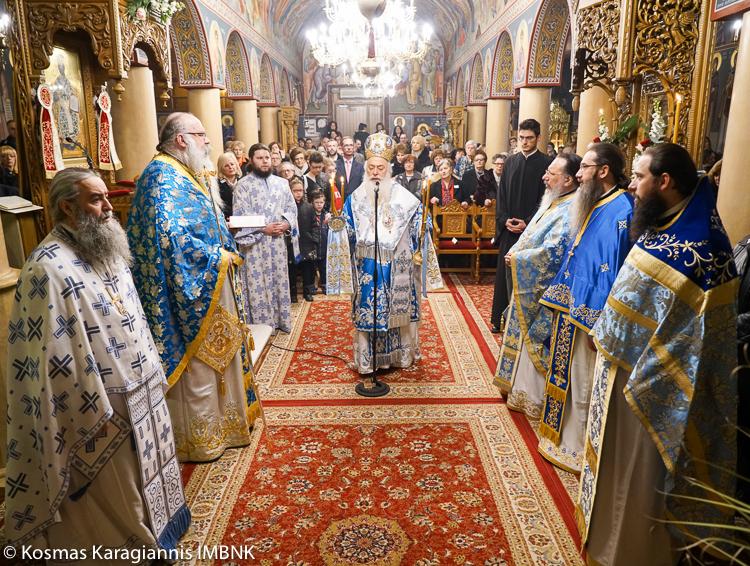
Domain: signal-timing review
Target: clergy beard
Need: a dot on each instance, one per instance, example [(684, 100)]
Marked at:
[(549, 195), (384, 195), (586, 196), (102, 240), (261, 174), (646, 214), (197, 159)]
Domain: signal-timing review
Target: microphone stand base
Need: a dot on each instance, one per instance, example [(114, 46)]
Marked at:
[(375, 389)]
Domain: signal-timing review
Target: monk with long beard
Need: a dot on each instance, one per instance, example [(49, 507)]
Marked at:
[(91, 455), (600, 217), (184, 268)]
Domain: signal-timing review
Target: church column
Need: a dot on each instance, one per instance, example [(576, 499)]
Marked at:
[(477, 122), (205, 103), (246, 121), (534, 103), (269, 124), (594, 102), (497, 127), (734, 197), (135, 140)]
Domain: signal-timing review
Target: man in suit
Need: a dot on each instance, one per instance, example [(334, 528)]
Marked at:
[(349, 168), (474, 181)]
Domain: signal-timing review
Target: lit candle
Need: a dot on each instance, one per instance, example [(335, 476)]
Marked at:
[(333, 195), (676, 127)]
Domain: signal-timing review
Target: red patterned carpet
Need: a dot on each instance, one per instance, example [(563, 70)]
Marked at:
[(328, 329), (437, 472), (408, 484), (477, 300), (453, 366)]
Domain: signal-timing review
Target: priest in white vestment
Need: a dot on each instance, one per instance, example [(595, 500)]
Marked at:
[(91, 455), (185, 269), (265, 273), (401, 281), (533, 261)]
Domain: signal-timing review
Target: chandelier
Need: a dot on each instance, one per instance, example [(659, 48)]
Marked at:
[(397, 36), (376, 77), (387, 33), (345, 39)]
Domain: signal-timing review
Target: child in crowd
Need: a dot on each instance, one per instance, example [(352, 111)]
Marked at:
[(320, 225), (306, 244)]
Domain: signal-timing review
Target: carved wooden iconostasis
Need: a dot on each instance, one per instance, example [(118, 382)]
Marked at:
[(75, 48), (641, 51)]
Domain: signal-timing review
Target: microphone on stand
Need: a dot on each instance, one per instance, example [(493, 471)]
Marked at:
[(377, 388), (83, 149)]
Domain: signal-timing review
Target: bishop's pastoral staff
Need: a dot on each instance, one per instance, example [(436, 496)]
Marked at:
[(184, 268), (91, 455), (401, 234)]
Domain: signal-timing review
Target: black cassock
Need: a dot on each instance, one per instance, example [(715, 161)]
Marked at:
[(518, 196)]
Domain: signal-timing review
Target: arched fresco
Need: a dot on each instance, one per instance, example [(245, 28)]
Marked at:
[(267, 90), (476, 89), (285, 95), (502, 76), (449, 90), (460, 97), (191, 48), (548, 44), (238, 68)]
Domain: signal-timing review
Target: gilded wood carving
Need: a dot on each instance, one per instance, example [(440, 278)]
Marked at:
[(596, 45), (150, 33), (666, 37), (98, 19)]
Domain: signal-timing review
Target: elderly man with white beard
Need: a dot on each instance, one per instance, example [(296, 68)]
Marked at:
[(400, 279), (184, 268), (91, 456), (533, 261)]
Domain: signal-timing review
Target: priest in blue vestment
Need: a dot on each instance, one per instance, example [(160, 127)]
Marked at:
[(184, 267), (662, 422), (600, 240), (533, 261), (352, 263)]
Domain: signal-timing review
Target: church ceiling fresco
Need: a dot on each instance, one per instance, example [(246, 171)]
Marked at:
[(457, 23)]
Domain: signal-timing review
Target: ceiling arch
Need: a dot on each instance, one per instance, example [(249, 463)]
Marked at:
[(295, 17)]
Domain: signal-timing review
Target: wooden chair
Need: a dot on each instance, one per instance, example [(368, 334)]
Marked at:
[(484, 232), (453, 234)]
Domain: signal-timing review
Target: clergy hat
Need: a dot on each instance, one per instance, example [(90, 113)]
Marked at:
[(379, 145)]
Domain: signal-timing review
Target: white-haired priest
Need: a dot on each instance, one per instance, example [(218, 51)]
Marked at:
[(404, 265), (91, 455)]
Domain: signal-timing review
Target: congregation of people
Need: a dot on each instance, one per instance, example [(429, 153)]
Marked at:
[(616, 298)]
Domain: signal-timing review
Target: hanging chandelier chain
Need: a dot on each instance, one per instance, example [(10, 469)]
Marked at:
[(377, 64)]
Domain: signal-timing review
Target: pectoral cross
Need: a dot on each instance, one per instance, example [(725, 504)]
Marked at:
[(117, 302)]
